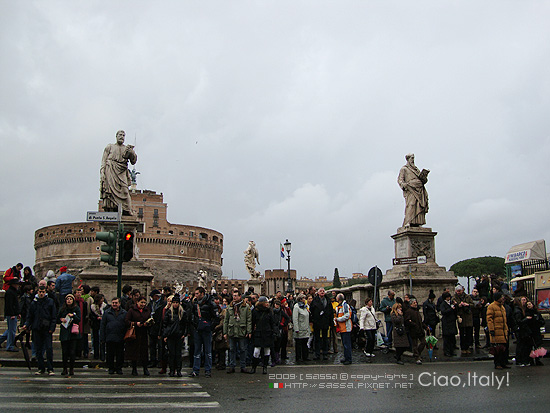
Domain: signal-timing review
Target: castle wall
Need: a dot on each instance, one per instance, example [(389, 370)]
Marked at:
[(171, 252)]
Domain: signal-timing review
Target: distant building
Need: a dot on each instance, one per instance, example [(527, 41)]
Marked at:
[(358, 275), (277, 280), (318, 282)]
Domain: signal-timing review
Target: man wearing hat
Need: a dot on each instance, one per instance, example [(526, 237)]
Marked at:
[(64, 283), (11, 312), (156, 305)]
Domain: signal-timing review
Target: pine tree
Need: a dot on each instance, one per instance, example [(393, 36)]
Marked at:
[(336, 283)]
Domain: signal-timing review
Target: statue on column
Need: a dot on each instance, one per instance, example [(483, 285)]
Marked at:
[(251, 256), (114, 175), (412, 181)]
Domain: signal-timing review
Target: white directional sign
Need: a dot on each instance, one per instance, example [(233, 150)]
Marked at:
[(100, 216)]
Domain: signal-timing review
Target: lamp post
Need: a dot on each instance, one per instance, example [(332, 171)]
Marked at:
[(288, 246)]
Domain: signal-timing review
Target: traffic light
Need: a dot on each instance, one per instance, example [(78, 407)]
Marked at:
[(110, 240), (127, 246)]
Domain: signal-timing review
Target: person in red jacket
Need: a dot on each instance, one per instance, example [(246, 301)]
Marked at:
[(10, 274)]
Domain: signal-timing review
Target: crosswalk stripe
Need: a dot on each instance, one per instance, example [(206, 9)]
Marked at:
[(123, 386), (106, 406), (95, 390), (65, 395)]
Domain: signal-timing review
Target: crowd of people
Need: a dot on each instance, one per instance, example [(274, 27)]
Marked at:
[(222, 329)]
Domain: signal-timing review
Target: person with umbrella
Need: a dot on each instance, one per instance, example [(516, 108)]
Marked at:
[(41, 319)]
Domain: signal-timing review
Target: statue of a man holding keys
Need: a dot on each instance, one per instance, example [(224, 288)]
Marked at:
[(412, 181), (114, 175)]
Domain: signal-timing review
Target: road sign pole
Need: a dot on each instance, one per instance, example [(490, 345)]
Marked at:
[(410, 280), (375, 286), (119, 276)]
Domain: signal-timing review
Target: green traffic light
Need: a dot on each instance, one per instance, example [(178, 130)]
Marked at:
[(110, 239)]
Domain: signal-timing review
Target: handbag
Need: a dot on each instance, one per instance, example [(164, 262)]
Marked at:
[(497, 349), (130, 333), (75, 329)]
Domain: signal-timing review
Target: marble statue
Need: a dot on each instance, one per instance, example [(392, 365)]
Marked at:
[(251, 256), (178, 288), (114, 175), (412, 181), (202, 278)]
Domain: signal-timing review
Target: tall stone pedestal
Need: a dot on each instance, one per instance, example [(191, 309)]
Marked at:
[(134, 272), (256, 283), (411, 243), (104, 276)]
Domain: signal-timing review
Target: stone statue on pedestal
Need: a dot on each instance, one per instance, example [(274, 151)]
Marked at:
[(114, 175), (203, 278), (412, 181), (251, 255)]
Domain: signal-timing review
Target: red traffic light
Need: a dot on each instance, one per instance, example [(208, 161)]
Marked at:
[(129, 236)]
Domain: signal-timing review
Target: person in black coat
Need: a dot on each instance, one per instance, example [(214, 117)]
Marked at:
[(322, 316), (534, 322), (431, 319), (111, 332), (263, 332), (448, 324), (137, 350), (41, 319), (281, 318), (156, 306), (173, 333)]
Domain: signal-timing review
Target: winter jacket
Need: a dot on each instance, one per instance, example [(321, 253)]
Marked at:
[(430, 313), (11, 303), (240, 325), (24, 304), (367, 318), (413, 322), (263, 327), (113, 326), (95, 313), (322, 317), (42, 315), (386, 306), (448, 319), (399, 340), (9, 275), (343, 317), (156, 312), (300, 319), (64, 283), (173, 326), (464, 312), (496, 323), (65, 334), (208, 311), (136, 350)]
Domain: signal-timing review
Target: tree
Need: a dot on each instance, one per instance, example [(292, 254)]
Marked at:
[(336, 283), (476, 267)]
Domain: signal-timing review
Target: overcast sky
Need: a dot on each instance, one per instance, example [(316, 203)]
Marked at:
[(268, 120)]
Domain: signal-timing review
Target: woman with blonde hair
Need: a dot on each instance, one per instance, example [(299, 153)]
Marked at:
[(175, 328), (400, 340)]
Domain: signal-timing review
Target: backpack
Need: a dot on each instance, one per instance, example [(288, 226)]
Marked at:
[(354, 318)]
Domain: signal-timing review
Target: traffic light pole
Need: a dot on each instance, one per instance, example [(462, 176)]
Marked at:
[(120, 241)]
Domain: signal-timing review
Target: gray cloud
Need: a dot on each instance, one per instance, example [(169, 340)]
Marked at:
[(278, 120)]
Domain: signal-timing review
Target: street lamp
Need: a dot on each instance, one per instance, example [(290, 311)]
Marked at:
[(288, 245)]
